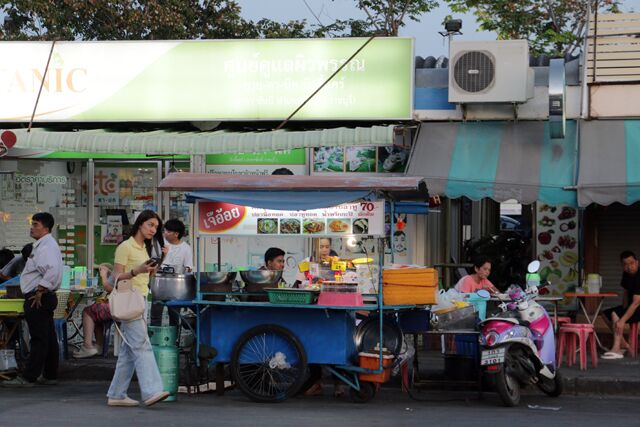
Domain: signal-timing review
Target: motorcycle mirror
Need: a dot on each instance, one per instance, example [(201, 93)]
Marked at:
[(533, 266)]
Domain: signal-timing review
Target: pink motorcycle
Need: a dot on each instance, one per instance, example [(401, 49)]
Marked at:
[(518, 345)]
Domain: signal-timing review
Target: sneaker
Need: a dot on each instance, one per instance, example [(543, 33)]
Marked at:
[(83, 352), (127, 401), (158, 397), (46, 381), (99, 349), (16, 383)]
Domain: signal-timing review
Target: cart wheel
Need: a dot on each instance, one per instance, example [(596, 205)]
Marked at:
[(366, 393), (268, 363)]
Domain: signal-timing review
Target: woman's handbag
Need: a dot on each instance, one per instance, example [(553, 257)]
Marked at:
[(126, 303)]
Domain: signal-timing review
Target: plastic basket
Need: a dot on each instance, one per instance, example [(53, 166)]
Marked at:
[(291, 296)]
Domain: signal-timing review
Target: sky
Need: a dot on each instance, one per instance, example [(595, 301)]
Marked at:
[(427, 40)]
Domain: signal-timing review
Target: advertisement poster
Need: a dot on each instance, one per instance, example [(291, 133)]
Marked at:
[(557, 246), (391, 159), (361, 218), (112, 230)]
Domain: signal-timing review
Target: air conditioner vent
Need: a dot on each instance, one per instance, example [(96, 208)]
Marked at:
[(474, 71), (490, 71)]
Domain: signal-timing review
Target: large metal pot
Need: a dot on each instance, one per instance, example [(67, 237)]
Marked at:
[(167, 286)]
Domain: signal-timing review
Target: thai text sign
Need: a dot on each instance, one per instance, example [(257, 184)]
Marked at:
[(207, 80), (360, 218)]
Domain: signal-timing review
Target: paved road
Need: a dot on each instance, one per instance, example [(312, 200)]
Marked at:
[(84, 404)]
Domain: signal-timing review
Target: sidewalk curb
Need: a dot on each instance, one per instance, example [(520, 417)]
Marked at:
[(602, 386)]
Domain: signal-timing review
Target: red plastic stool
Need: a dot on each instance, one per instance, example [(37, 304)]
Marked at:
[(585, 333), (633, 339)]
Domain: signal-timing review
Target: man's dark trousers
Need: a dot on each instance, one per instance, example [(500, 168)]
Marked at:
[(43, 355)]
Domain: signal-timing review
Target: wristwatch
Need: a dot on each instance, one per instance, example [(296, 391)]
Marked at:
[(133, 274)]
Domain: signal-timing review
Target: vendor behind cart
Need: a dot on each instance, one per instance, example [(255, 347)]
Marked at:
[(479, 279), (325, 255), (273, 259)]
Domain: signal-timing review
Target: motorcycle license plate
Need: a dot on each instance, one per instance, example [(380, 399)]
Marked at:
[(492, 357)]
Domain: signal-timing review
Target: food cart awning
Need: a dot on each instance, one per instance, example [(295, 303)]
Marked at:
[(498, 160), (164, 142), (609, 162), (288, 192)]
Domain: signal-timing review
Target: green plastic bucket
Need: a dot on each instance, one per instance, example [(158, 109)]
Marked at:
[(168, 360), (163, 335)]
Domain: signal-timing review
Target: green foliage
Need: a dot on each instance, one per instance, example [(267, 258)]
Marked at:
[(136, 20), (383, 17), (186, 20), (553, 27)]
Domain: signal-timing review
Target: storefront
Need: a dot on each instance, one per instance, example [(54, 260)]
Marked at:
[(609, 190), (496, 161), (114, 132)]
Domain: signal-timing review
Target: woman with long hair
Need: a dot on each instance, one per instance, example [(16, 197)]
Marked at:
[(132, 262)]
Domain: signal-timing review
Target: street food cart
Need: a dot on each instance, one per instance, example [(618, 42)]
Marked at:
[(268, 345)]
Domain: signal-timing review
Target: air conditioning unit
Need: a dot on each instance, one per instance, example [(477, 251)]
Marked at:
[(490, 71)]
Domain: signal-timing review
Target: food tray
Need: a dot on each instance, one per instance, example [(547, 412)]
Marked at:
[(11, 305), (291, 296)]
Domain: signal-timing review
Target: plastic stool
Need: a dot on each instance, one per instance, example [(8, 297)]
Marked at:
[(633, 339), (61, 333), (108, 325), (562, 319), (585, 333)]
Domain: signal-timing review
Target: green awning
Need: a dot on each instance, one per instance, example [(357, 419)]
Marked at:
[(160, 142)]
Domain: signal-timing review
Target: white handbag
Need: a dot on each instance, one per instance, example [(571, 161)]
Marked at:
[(125, 302)]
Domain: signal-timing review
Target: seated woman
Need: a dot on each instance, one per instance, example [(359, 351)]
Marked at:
[(479, 279), (95, 316)]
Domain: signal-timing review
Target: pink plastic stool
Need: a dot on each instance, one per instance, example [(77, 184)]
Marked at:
[(562, 319), (585, 333)]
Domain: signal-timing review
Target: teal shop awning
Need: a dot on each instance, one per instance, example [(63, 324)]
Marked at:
[(609, 162), (159, 142), (498, 160)]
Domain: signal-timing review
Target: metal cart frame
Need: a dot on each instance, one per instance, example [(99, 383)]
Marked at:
[(309, 334)]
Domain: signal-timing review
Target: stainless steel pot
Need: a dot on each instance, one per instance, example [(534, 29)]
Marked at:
[(167, 286)]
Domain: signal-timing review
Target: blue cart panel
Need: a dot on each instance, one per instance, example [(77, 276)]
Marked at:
[(327, 336)]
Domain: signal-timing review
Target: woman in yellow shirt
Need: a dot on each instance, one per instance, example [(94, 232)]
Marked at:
[(132, 262)]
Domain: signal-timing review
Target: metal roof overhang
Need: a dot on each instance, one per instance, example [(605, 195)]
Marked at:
[(167, 142), (292, 192)]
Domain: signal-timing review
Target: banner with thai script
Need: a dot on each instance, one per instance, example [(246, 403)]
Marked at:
[(357, 219), (93, 81)]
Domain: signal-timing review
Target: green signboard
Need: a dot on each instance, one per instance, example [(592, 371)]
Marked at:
[(208, 80), (284, 157)]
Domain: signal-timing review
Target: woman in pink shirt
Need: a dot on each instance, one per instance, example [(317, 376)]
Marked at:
[(478, 280)]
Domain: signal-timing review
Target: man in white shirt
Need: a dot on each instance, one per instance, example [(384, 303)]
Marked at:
[(179, 257), (39, 281)]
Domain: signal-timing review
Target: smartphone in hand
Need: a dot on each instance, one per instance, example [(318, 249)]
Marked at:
[(153, 261)]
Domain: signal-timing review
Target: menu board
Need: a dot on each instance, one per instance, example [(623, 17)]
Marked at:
[(361, 218), (557, 246)]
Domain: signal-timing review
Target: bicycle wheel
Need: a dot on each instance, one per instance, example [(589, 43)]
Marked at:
[(268, 363)]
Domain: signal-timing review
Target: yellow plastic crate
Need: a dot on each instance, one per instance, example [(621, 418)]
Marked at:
[(409, 286), (12, 305)]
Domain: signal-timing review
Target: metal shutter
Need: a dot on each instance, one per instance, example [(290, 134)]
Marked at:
[(618, 229)]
